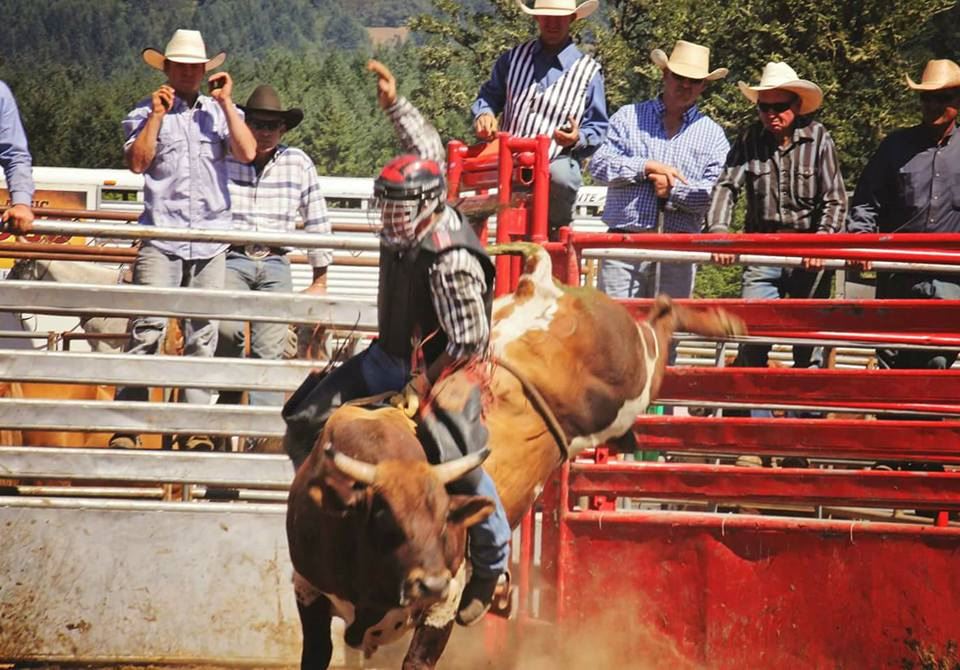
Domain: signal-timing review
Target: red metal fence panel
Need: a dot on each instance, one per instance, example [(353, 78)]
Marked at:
[(754, 592)]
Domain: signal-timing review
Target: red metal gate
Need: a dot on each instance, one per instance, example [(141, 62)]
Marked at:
[(768, 580)]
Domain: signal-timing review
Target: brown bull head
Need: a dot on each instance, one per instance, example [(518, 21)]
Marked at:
[(414, 534)]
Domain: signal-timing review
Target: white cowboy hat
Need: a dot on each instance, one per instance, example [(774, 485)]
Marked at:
[(560, 8), (937, 75), (781, 77), (186, 46), (688, 60)]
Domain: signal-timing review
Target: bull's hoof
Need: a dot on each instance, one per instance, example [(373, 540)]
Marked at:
[(353, 636)]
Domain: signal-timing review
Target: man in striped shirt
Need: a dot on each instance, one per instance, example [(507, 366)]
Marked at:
[(434, 303), (548, 87), (788, 167), (659, 163), (272, 193)]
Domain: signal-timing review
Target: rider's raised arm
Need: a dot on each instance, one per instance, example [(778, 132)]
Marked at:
[(416, 134)]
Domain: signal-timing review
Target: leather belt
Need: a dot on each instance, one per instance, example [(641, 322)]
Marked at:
[(257, 251)]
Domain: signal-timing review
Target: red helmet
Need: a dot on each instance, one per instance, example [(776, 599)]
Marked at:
[(408, 190), (409, 177)]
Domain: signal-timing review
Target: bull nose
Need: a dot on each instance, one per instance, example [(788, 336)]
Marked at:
[(423, 585), (437, 585)]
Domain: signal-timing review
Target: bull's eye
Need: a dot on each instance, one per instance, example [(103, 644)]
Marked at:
[(358, 486), (387, 532)]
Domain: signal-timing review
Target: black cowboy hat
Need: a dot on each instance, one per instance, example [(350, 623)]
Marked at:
[(264, 101)]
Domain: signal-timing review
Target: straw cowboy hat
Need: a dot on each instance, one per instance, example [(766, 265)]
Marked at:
[(781, 77), (937, 75), (264, 101), (688, 60), (186, 46), (560, 8)]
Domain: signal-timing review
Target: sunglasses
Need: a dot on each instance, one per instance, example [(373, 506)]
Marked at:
[(260, 124), (776, 107), (688, 80), (940, 97)]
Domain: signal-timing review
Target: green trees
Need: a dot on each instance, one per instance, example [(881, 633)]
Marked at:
[(75, 65)]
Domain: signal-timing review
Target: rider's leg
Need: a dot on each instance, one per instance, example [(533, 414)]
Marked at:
[(489, 551), (370, 372)]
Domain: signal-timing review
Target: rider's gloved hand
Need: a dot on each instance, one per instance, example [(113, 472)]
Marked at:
[(409, 398)]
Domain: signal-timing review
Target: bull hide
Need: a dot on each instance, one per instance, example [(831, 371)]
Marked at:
[(595, 368)]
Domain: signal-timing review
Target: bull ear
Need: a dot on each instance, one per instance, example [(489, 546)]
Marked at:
[(469, 510)]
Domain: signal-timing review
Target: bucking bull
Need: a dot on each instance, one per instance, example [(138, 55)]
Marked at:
[(374, 536)]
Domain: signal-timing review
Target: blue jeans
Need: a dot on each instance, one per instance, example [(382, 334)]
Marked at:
[(267, 340), (489, 539), (155, 268), (629, 279), (638, 279), (771, 283), (371, 372), (565, 182)]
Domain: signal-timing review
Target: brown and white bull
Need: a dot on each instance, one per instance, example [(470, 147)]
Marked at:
[(375, 538)]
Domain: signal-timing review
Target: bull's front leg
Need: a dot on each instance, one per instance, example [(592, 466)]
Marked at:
[(317, 644), (426, 647)]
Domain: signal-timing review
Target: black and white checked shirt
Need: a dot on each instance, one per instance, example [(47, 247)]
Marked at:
[(457, 280), (795, 188)]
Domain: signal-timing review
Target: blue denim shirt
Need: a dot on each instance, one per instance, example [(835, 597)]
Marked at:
[(14, 154), (186, 184)]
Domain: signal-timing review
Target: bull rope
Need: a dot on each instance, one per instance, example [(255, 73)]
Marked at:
[(541, 406)]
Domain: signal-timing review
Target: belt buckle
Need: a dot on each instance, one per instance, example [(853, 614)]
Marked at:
[(256, 251)]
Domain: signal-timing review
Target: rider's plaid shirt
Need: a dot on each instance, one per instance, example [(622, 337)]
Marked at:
[(457, 280)]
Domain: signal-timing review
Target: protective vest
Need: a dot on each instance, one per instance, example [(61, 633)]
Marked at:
[(530, 111), (404, 300)]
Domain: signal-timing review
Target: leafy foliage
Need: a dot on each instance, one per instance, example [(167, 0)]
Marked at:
[(75, 65)]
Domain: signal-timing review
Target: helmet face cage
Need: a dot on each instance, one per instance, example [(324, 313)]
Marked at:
[(407, 192)]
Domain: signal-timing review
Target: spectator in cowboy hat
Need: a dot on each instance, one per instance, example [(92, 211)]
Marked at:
[(659, 162), (179, 139), (16, 162), (912, 185), (275, 192), (788, 167), (548, 87)]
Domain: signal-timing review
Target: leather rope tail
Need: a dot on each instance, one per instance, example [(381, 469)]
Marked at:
[(540, 404)]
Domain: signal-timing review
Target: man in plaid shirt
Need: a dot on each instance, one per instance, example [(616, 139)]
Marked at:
[(434, 302), (659, 163), (786, 166), (272, 193)]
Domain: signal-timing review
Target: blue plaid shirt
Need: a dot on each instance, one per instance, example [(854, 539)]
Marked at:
[(637, 135)]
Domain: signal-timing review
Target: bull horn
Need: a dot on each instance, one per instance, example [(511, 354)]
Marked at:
[(351, 467), (453, 470)]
